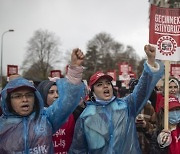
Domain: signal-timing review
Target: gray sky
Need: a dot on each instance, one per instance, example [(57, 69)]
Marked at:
[(75, 22)]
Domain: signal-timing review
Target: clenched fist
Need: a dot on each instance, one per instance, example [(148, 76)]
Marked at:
[(77, 57)]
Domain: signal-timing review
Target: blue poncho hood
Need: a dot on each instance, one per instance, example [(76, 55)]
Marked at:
[(11, 86)]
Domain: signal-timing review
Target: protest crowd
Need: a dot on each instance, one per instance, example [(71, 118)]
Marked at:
[(70, 115), (65, 115)]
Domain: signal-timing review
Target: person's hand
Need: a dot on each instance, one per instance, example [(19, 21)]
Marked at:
[(144, 123), (140, 121), (77, 57), (164, 138), (151, 53)]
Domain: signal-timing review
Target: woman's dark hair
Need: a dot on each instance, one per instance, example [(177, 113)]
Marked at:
[(91, 96), (36, 107)]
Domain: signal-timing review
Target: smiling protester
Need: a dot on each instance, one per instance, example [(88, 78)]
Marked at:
[(26, 126), (107, 125)]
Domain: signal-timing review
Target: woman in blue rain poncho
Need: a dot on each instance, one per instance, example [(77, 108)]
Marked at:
[(26, 126), (107, 125)]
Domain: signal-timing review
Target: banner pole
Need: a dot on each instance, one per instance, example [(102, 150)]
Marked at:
[(166, 95)]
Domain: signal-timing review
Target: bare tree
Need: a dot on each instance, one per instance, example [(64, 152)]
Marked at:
[(42, 54), (101, 51), (104, 53), (166, 3)]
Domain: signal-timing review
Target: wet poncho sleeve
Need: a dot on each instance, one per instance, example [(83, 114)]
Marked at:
[(145, 86)]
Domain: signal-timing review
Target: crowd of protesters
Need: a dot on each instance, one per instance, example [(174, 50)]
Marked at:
[(63, 115), (25, 125)]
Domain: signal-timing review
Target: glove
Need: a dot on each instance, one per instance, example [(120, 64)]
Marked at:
[(164, 139)]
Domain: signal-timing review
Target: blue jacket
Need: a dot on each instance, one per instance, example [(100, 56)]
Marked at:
[(19, 135), (110, 128)]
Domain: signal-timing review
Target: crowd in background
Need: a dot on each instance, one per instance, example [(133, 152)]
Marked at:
[(88, 118)]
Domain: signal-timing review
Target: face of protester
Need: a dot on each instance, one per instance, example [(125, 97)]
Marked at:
[(22, 101), (52, 95), (103, 89), (159, 86), (173, 89)]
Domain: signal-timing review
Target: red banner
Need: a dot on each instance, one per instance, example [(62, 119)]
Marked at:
[(113, 74), (164, 32), (12, 70), (175, 70), (123, 68), (56, 73)]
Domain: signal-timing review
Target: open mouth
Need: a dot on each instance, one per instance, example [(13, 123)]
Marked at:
[(173, 93), (25, 107), (106, 93)]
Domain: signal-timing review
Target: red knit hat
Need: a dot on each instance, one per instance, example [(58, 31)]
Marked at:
[(97, 76), (173, 103)]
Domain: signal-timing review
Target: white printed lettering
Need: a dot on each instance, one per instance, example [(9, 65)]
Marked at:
[(60, 132), (177, 138)]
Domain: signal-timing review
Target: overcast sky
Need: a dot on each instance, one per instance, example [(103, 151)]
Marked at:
[(75, 22)]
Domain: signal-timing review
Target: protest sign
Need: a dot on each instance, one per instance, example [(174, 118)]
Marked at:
[(164, 32)]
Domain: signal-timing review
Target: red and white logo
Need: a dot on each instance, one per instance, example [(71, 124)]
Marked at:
[(166, 45)]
